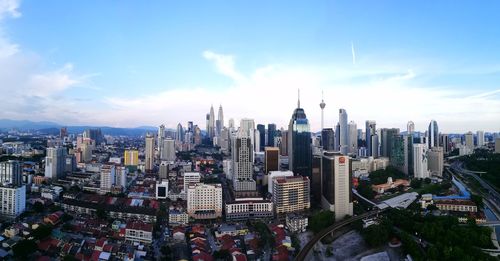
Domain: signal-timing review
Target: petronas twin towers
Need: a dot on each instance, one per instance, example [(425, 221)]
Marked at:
[(214, 127)]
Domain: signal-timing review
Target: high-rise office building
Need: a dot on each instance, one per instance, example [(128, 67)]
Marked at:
[(13, 200), (219, 124), (204, 201), (11, 172), (168, 150), (337, 137), (480, 138), (284, 143), (337, 185), (387, 139), (211, 122), (55, 162), (242, 154), (432, 135), (271, 133), (262, 136), (179, 133), (190, 126), (131, 157), (299, 143), (444, 142), (149, 152), (353, 137), (408, 155), (328, 139), (344, 132), (410, 128), (94, 134), (420, 165), (231, 124), (370, 132), (162, 189), (374, 146), (397, 148), (160, 138), (272, 159), (469, 140), (435, 161), (197, 135), (291, 194), (63, 132), (163, 170)]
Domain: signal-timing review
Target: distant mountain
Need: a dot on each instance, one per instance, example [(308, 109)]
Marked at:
[(27, 125), (53, 128)]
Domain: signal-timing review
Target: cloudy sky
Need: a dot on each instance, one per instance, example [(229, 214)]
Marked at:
[(128, 63)]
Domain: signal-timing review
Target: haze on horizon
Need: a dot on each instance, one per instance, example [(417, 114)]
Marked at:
[(128, 64)]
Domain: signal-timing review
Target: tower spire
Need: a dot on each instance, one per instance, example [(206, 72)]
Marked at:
[(298, 100)]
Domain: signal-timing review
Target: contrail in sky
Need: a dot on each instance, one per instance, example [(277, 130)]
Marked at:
[(353, 54)]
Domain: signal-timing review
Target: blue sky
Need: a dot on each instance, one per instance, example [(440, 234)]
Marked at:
[(128, 63)]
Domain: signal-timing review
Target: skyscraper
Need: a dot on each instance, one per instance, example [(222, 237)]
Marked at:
[(435, 159), (272, 158), (328, 139), (410, 128), (337, 185), (211, 121), (344, 132), (179, 134), (444, 142), (433, 134), (271, 133), (161, 137), (370, 131), (131, 157), (337, 137), (284, 143), (469, 140), (168, 150), (291, 194), (242, 154), (322, 105), (480, 138), (299, 143), (11, 172), (420, 168), (262, 136), (55, 162), (149, 152), (387, 140), (353, 137), (219, 124)]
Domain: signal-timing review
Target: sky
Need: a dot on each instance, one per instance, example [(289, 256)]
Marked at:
[(135, 63)]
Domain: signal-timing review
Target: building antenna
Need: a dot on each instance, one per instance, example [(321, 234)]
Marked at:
[(298, 95)]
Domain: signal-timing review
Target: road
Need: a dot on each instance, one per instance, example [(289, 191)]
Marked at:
[(493, 197), (307, 248)]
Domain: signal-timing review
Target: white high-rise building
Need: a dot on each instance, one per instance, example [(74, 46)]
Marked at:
[(435, 160), (219, 124), (343, 132), (336, 187), (55, 162), (191, 178), (242, 159), (161, 137), (108, 173), (13, 199), (204, 201), (121, 174), (353, 137), (211, 123), (149, 152), (420, 166), (11, 172), (168, 148), (480, 138), (179, 134)]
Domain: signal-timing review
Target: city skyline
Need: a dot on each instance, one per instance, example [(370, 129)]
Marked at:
[(142, 74)]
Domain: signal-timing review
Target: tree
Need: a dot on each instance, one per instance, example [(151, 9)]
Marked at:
[(365, 189), (321, 220), (23, 249), (222, 254), (427, 181), (478, 200), (376, 235), (38, 207), (42, 232), (101, 213), (416, 183)]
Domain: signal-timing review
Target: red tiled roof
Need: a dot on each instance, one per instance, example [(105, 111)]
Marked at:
[(140, 226)]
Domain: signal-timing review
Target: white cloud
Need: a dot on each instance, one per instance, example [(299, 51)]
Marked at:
[(224, 64), (269, 94), (9, 8)]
